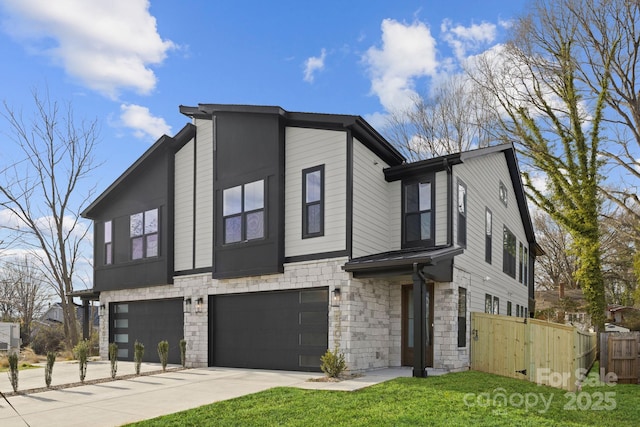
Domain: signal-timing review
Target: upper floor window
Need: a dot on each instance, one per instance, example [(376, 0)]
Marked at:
[(243, 212), (313, 202), (502, 193), (525, 276), (108, 243), (143, 231), (417, 212), (509, 252), (521, 263), (462, 317), (488, 235), (462, 213)]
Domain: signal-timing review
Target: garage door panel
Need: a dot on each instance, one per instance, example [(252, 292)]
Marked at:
[(269, 330)]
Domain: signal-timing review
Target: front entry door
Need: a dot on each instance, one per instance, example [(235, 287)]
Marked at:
[(407, 326)]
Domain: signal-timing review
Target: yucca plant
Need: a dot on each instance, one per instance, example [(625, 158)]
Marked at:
[(113, 358), (183, 352), (13, 370), (48, 369), (81, 352), (138, 353), (163, 353)]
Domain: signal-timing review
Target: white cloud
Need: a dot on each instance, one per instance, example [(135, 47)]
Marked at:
[(408, 52), (463, 39), (313, 64), (143, 123), (107, 45)]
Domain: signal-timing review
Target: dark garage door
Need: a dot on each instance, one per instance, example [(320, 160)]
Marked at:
[(269, 330), (148, 322)]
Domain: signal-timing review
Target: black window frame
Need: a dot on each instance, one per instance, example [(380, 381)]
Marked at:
[(145, 235), (463, 211), (462, 317), (525, 280), (488, 236), (509, 252), (488, 304), (306, 205), (503, 195), (406, 213), (243, 214), (509, 308), (108, 242), (520, 262), (496, 305)]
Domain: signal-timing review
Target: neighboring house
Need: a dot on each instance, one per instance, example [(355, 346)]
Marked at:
[(616, 313), (9, 337), (54, 316), (264, 237), (570, 309)]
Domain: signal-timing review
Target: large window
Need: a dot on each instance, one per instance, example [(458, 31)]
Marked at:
[(417, 212), (243, 212), (108, 243), (462, 317), (509, 252), (143, 228), (313, 202), (462, 213), (488, 233)]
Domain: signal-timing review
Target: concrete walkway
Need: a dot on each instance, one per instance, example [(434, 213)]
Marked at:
[(113, 403)]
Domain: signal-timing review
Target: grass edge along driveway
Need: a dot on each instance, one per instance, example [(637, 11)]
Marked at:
[(465, 398)]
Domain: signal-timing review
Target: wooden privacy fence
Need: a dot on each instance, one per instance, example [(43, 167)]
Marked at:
[(535, 350), (620, 354)]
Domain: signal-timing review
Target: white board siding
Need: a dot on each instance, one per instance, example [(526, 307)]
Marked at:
[(371, 214), (440, 216), (395, 215), (307, 148), (482, 177), (204, 194), (183, 220)]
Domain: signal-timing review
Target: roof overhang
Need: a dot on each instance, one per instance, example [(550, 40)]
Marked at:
[(435, 264), (85, 295)]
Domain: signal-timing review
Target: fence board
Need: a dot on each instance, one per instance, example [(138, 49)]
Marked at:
[(542, 352), (623, 357)]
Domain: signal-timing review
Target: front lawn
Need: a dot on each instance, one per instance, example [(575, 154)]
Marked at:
[(466, 398)]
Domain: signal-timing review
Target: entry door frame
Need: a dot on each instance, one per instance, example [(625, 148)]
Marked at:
[(407, 353)]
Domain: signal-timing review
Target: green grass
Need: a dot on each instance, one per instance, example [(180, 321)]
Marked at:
[(438, 401), (21, 367)]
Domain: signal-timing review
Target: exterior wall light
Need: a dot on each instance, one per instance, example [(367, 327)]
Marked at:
[(336, 296), (187, 305), (103, 309), (199, 304)]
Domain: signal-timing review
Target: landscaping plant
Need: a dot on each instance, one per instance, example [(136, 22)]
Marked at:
[(333, 363), (48, 369), (183, 352), (113, 358), (13, 370), (81, 352), (163, 353), (138, 353)]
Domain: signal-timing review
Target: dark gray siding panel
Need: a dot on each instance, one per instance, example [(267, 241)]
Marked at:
[(269, 330), (147, 188), (250, 148)]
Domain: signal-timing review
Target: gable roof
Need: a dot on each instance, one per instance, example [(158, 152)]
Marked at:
[(175, 143), (435, 164)]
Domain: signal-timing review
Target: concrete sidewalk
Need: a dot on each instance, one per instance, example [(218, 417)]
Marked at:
[(114, 403)]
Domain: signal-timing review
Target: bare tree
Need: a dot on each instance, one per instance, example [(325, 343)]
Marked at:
[(42, 192), (449, 120), (558, 266), (30, 294), (555, 121)]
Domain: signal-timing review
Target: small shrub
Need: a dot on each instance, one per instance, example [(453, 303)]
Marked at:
[(138, 353), (113, 358), (183, 352), (48, 369), (13, 370), (48, 338), (333, 363), (81, 352), (163, 353)]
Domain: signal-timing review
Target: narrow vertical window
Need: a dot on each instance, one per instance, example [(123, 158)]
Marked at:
[(502, 193), (143, 231), (508, 252), (313, 202), (517, 310), (508, 308), (488, 233), (108, 240), (417, 208), (496, 305), (526, 267), (488, 304), (521, 263), (462, 213), (243, 212), (462, 317)]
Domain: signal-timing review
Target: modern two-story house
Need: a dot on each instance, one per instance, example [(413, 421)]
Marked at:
[(264, 237)]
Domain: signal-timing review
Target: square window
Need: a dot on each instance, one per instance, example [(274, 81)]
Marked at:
[(243, 212), (255, 225), (136, 224), (137, 249), (232, 201), (233, 229), (253, 196), (152, 245)]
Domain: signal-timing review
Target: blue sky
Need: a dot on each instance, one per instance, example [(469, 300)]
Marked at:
[(131, 63)]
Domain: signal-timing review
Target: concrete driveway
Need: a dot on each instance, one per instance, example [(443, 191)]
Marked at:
[(114, 403)]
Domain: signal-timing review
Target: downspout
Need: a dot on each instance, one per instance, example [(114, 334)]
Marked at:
[(449, 202), (419, 325)]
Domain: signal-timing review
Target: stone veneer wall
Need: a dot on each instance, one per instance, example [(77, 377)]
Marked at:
[(446, 353)]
